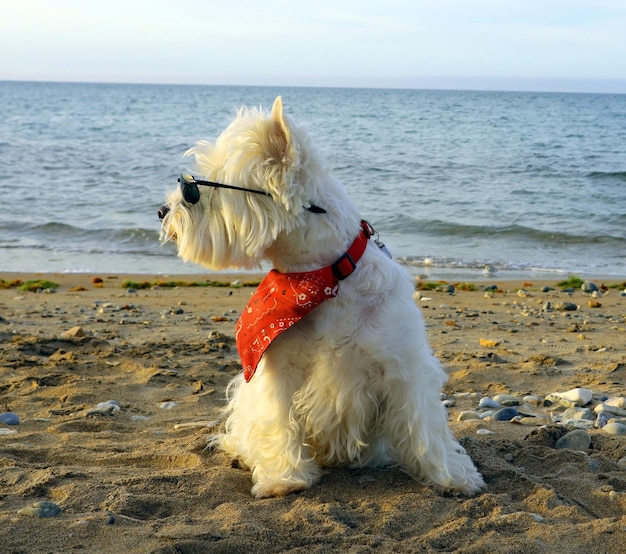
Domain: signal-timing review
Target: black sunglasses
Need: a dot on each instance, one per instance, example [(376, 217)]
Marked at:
[(191, 193)]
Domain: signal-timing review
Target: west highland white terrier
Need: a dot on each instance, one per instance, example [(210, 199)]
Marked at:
[(337, 369)]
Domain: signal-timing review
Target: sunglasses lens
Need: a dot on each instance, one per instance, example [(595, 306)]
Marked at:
[(189, 189)]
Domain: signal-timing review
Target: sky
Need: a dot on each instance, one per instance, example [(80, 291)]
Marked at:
[(560, 45)]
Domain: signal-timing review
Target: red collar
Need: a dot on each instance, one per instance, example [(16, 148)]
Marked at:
[(283, 299)]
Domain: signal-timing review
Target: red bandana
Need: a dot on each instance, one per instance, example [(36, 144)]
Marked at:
[(283, 299)]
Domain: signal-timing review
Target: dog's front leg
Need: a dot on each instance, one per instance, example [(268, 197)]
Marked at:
[(416, 423), (262, 432)]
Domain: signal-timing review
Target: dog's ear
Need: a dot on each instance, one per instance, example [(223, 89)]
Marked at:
[(284, 156), (281, 130), (283, 151)]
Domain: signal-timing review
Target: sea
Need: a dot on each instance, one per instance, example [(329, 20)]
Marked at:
[(460, 185)]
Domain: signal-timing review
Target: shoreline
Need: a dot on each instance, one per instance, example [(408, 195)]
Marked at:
[(68, 279)]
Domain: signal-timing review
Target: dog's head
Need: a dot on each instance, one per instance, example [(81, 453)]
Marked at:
[(271, 182)]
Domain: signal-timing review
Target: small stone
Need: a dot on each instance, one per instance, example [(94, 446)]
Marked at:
[(236, 284), (9, 418), (615, 428), (594, 465), (604, 407), (555, 400), (504, 414), (41, 509), (484, 432), (448, 403), (546, 289), (578, 413), (594, 304), (506, 399), (533, 399), (568, 290), (487, 403), (547, 307), (73, 333), (603, 418), (530, 421), (565, 306), (194, 425), (445, 288), (104, 408), (578, 395), (574, 440), (588, 287), (489, 343), (168, 405), (6, 431), (468, 415), (616, 401), (584, 424)]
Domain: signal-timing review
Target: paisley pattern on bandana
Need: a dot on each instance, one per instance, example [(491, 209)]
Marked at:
[(280, 301), (283, 299)]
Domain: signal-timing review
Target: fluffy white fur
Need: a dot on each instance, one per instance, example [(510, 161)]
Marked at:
[(355, 382)]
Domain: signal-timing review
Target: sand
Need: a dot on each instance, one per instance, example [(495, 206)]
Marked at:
[(140, 480)]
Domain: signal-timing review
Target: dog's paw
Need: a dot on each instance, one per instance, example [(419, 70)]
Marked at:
[(270, 490), (468, 487)]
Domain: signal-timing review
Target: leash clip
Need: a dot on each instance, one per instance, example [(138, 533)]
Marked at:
[(374, 233)]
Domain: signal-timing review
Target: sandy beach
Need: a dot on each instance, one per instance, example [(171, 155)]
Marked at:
[(117, 389)]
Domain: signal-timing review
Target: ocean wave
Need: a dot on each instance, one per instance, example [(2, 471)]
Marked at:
[(440, 228), (617, 175), (475, 265), (57, 236)]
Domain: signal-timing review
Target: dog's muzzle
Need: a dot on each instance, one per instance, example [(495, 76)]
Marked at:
[(163, 211)]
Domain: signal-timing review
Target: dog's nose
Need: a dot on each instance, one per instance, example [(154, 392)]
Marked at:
[(163, 212)]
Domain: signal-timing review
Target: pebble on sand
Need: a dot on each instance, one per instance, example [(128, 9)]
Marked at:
[(488, 403), (6, 431), (9, 418), (530, 421), (616, 401), (574, 440), (504, 414), (578, 395), (468, 414), (168, 405), (578, 413), (506, 399), (43, 508), (605, 407), (104, 408), (588, 287), (615, 428), (73, 333)]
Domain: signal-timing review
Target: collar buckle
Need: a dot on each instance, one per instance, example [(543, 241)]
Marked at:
[(344, 266)]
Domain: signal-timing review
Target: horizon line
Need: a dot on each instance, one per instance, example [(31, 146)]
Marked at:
[(574, 85)]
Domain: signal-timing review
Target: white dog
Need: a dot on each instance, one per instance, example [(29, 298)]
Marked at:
[(345, 374)]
